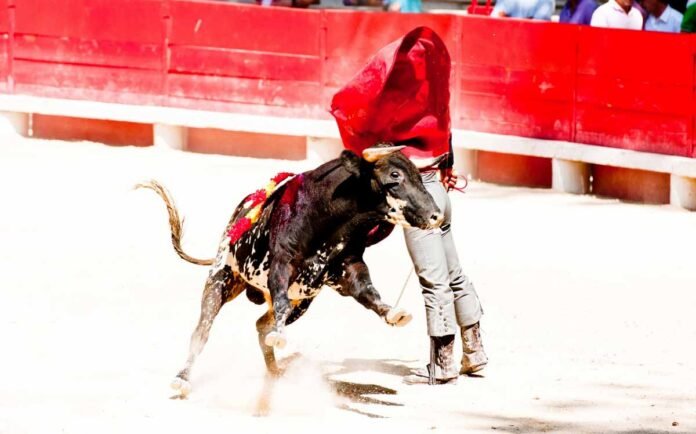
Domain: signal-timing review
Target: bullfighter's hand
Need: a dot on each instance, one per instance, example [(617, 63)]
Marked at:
[(449, 178)]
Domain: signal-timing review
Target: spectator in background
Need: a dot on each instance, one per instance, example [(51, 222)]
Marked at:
[(689, 21), (406, 6), (617, 14), (534, 9), (578, 12), (662, 17), (679, 5), (288, 3)]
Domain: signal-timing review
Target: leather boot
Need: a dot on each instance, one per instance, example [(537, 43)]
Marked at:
[(474, 358), (441, 369)]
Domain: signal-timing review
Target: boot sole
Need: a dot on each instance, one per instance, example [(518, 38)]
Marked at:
[(473, 369), (412, 380)]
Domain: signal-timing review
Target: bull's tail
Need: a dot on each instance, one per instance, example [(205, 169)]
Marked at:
[(175, 223)]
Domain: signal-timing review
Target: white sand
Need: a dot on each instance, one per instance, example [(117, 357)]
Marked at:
[(589, 311)]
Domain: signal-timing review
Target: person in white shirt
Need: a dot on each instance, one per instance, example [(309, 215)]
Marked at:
[(617, 14), (662, 17)]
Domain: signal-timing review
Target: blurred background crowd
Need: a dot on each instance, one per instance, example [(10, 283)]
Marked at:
[(652, 15)]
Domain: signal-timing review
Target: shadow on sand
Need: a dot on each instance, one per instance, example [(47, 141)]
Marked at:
[(347, 392)]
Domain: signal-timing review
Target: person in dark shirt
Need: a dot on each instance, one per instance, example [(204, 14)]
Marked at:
[(578, 12)]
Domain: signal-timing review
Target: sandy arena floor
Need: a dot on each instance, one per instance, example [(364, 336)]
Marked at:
[(589, 311)]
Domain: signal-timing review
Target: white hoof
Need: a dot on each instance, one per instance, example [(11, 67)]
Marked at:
[(398, 317), (276, 340), (181, 386)]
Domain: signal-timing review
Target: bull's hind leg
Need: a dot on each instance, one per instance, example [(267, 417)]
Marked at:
[(221, 287), (266, 326), (280, 275)]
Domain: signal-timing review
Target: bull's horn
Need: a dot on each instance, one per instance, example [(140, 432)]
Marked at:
[(424, 163), (375, 153)]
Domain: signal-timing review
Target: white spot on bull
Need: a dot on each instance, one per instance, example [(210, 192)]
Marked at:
[(396, 211), (258, 280), (298, 291)]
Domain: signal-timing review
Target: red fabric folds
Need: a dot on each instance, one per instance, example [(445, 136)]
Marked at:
[(401, 95)]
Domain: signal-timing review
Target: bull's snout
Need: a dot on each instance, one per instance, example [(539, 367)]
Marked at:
[(436, 220)]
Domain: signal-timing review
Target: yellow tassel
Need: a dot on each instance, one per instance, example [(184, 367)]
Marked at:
[(254, 213)]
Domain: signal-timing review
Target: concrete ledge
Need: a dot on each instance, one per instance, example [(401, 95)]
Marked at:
[(13, 123), (683, 166), (170, 136), (168, 116), (570, 176), (683, 192)]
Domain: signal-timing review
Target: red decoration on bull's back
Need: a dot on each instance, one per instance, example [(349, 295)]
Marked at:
[(254, 203)]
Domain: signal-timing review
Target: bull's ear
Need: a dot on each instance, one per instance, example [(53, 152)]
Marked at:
[(375, 153), (351, 162)]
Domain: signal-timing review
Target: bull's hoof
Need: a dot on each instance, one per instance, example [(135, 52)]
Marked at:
[(275, 340), (398, 317), (181, 387)]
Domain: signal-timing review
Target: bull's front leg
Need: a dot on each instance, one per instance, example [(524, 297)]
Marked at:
[(353, 279), (281, 273)]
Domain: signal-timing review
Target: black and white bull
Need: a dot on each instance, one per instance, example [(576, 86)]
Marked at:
[(311, 233)]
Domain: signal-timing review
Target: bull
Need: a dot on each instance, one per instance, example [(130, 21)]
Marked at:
[(312, 232)]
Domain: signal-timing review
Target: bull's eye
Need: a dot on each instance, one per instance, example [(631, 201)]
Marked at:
[(395, 175)]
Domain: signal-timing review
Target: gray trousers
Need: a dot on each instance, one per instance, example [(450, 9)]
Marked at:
[(450, 298)]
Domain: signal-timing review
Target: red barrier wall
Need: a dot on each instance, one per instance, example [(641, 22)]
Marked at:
[(625, 89), (6, 22)]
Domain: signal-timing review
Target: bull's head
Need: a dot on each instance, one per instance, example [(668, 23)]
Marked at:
[(397, 181)]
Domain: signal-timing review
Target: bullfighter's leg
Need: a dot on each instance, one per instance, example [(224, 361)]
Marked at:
[(353, 279), (221, 287), (265, 325)]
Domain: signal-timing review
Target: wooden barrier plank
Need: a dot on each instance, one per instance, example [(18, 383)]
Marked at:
[(5, 41), (245, 27), (4, 63), (214, 141), (654, 57), (247, 64), (102, 131), (243, 90), (124, 21), (4, 17), (79, 81), (509, 169), (639, 131), (631, 185), (88, 52)]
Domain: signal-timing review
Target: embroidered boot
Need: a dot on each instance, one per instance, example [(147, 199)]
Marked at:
[(474, 358), (441, 369)]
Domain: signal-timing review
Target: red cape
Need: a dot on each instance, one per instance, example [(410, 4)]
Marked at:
[(401, 94)]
